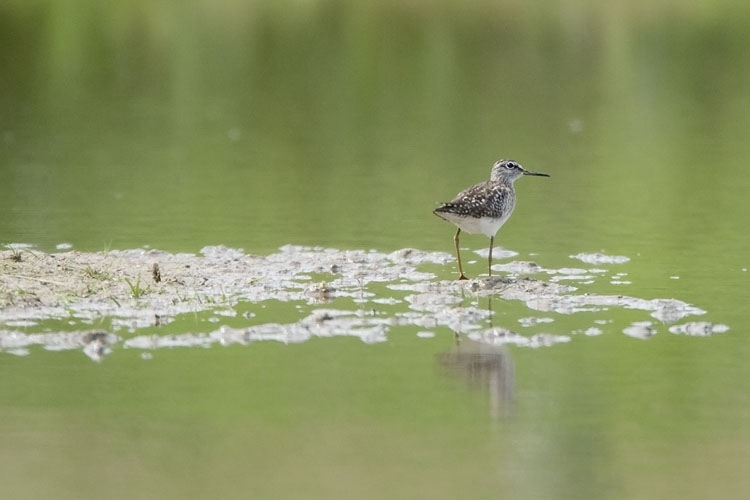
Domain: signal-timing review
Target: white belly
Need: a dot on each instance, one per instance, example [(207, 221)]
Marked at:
[(476, 225)]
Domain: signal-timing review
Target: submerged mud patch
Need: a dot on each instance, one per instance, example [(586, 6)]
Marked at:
[(97, 302)]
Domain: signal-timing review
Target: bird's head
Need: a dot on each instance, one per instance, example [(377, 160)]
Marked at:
[(509, 170)]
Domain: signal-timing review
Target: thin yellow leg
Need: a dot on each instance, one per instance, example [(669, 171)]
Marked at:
[(489, 259), (461, 275)]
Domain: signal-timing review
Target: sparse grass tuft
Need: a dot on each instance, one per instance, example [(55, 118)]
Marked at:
[(135, 289), (15, 253), (96, 274)]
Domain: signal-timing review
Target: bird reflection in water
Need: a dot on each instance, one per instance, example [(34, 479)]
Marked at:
[(485, 367)]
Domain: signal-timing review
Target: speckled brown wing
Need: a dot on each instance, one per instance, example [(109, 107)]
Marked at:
[(486, 199)]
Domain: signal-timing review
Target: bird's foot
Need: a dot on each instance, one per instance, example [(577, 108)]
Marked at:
[(463, 277)]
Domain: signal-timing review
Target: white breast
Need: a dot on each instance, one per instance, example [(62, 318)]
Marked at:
[(476, 225)]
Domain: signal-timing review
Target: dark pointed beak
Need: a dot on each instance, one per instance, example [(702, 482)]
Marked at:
[(529, 172)]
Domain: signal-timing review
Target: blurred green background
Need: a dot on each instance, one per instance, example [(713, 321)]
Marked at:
[(257, 124)]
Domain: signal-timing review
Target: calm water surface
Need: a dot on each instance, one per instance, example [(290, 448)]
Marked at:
[(327, 124)]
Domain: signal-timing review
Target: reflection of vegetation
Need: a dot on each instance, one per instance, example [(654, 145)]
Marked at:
[(333, 104)]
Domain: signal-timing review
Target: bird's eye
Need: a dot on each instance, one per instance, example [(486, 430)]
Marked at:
[(511, 165)]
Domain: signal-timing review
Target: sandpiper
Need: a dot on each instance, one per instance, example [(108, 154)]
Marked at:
[(484, 207)]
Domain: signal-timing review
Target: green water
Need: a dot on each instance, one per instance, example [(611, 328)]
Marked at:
[(259, 124)]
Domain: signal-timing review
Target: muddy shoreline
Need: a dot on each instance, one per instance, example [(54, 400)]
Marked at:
[(141, 288)]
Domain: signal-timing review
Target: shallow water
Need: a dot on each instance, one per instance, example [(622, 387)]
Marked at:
[(307, 338)]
